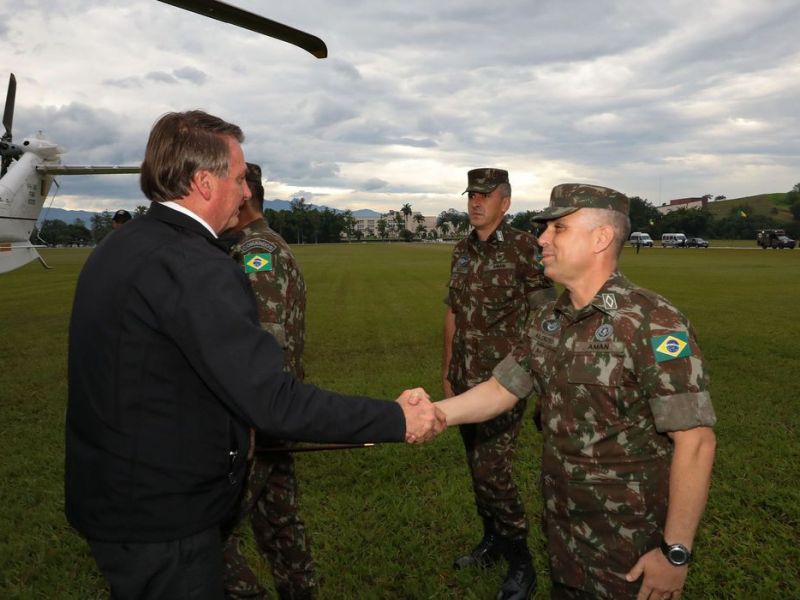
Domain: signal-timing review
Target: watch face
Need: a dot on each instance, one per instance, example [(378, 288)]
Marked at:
[(678, 555)]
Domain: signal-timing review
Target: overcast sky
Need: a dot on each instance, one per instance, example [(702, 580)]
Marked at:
[(663, 100)]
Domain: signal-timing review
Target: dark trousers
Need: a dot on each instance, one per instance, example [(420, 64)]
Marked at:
[(186, 569)]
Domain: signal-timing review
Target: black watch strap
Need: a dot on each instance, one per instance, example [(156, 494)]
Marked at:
[(676, 554)]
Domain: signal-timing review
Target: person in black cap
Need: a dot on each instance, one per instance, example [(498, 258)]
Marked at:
[(495, 283), (120, 218)]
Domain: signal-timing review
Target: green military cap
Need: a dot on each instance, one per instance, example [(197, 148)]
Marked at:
[(485, 180), (253, 173), (569, 197)]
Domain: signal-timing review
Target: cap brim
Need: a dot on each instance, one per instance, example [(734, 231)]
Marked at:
[(480, 190), (555, 212)]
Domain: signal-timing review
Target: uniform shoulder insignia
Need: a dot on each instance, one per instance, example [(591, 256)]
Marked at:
[(670, 346), (256, 263), (257, 245)]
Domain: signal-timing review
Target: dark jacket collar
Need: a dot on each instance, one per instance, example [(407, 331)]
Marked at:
[(178, 220)]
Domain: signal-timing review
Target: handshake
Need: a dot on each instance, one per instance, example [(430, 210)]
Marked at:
[(423, 420)]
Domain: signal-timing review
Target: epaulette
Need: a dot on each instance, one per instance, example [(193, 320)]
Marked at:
[(652, 298)]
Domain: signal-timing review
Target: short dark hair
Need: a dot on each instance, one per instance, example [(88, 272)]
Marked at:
[(179, 145), (253, 179)]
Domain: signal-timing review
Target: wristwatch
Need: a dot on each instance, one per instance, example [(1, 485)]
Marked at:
[(677, 554)]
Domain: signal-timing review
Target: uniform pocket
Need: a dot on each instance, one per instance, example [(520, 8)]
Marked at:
[(607, 523), (593, 367)]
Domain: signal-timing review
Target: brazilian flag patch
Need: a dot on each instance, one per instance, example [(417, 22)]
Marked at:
[(255, 263), (672, 345)]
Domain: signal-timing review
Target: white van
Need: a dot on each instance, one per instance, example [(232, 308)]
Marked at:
[(673, 240), (644, 239)]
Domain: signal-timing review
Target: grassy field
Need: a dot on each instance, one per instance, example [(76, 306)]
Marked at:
[(386, 522), (772, 205)]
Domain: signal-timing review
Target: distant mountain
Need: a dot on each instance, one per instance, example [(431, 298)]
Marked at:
[(366, 212), (276, 204), (68, 216)]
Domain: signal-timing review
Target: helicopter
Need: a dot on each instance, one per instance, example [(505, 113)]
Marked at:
[(28, 169)]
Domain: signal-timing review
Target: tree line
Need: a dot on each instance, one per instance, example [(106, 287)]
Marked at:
[(304, 224)]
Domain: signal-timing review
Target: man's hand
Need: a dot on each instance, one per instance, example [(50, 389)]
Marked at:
[(661, 578), (423, 419)]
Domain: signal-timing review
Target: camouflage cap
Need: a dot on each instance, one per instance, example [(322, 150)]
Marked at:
[(485, 180), (566, 198)]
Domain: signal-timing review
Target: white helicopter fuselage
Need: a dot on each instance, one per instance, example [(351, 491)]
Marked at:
[(23, 190)]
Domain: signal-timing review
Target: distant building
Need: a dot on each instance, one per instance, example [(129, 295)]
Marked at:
[(682, 203), (368, 225)]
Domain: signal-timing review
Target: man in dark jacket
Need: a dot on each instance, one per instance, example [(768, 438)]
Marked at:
[(168, 370)]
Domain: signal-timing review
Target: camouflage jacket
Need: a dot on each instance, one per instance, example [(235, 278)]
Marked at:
[(494, 285), (278, 286), (613, 378)]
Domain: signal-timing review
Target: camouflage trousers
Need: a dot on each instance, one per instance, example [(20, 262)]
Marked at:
[(559, 591), (270, 500), (490, 450)]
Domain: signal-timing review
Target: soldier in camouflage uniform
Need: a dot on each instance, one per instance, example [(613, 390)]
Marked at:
[(494, 284), (627, 415), (270, 496)]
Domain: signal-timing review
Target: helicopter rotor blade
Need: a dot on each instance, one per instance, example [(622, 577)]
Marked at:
[(242, 18), (8, 113)]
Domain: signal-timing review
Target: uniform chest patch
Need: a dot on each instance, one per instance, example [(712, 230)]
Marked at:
[(551, 325), (609, 301), (550, 341), (256, 263), (604, 332), (462, 263), (259, 244), (670, 346)]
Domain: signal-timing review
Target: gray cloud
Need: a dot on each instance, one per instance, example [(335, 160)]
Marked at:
[(161, 77), (191, 74), (670, 98)]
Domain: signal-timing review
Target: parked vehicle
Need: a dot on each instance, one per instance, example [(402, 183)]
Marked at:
[(673, 240), (774, 238), (644, 239), (696, 242)]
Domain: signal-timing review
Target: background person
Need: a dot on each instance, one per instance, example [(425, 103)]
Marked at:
[(271, 495), (169, 369), (120, 218), (494, 285), (627, 416)]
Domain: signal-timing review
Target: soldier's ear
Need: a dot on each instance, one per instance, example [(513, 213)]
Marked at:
[(603, 238), (505, 204)]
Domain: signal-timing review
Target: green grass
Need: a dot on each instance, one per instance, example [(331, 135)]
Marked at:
[(769, 205), (386, 522)]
